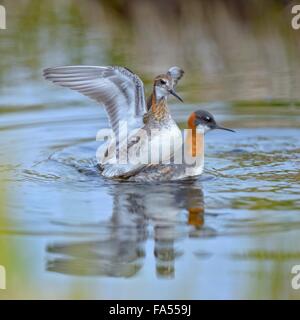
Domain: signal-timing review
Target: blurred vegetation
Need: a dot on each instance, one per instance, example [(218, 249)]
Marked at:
[(231, 49)]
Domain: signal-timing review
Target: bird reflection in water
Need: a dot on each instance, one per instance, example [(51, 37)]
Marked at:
[(165, 213)]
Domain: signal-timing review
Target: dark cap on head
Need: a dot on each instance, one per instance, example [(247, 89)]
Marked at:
[(206, 119)]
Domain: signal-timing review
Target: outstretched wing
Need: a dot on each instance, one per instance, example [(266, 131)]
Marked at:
[(176, 74), (117, 88)]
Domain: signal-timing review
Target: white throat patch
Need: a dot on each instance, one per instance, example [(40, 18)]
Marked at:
[(203, 128), (160, 92)]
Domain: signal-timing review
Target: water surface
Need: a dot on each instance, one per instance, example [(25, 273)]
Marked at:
[(67, 232)]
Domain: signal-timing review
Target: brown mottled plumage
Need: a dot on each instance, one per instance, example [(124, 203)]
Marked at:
[(158, 112)]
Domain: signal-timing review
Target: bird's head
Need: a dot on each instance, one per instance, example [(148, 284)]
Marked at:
[(163, 86), (205, 121)]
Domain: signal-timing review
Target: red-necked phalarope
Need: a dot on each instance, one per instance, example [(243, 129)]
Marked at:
[(199, 123), (148, 126), (122, 94)]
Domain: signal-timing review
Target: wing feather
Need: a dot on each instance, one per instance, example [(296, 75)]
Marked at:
[(176, 74), (117, 88)]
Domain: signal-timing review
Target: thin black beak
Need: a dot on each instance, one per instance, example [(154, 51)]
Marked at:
[(173, 93), (222, 128)]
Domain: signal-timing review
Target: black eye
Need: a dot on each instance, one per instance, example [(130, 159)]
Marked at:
[(207, 119), (163, 81)]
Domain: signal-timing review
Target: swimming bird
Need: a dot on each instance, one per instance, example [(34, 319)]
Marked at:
[(190, 156), (122, 94)]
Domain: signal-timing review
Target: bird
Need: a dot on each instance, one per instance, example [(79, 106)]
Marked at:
[(190, 155), (150, 146), (176, 74), (130, 116)]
